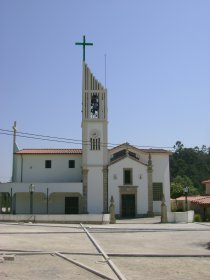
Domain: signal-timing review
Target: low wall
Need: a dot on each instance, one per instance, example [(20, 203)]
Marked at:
[(180, 217), (81, 218)]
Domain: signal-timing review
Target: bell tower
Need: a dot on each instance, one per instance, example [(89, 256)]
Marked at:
[(94, 142)]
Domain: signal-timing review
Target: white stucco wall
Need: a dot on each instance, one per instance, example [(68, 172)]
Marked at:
[(41, 187), (97, 157), (56, 196), (161, 174), (140, 180), (22, 203), (160, 164), (32, 168), (81, 218), (34, 171), (95, 190)]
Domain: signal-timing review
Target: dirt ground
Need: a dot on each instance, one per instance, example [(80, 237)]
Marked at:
[(139, 249)]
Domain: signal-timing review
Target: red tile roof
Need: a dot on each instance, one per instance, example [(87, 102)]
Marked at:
[(206, 181), (49, 151), (190, 198), (203, 200)]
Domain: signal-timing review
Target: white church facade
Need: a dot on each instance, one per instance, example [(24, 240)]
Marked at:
[(77, 181)]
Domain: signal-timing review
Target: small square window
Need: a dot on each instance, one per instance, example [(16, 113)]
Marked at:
[(71, 163), (48, 163)]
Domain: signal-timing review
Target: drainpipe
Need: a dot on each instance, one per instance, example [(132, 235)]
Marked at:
[(47, 200), (150, 212), (11, 202), (14, 150), (21, 171)]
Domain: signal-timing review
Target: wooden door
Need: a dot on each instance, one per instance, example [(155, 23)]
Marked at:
[(128, 205), (71, 205)]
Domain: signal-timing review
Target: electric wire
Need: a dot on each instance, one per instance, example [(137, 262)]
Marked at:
[(68, 140), (41, 138), (40, 135)]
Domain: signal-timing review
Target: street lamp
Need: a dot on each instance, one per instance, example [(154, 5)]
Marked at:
[(186, 190), (31, 191)]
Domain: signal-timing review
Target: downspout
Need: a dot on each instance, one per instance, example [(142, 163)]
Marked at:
[(47, 201), (14, 150), (107, 189), (11, 201), (21, 174), (150, 212)]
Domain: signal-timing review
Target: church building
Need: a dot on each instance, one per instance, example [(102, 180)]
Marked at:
[(77, 181)]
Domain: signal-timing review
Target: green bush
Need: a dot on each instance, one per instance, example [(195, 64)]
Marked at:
[(197, 218)]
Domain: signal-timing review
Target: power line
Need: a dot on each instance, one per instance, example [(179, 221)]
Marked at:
[(48, 138), (40, 135), (68, 140), (43, 139)]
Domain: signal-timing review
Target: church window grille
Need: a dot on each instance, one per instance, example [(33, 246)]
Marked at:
[(99, 144), (95, 144), (128, 176), (48, 164), (157, 191), (91, 143), (71, 163)]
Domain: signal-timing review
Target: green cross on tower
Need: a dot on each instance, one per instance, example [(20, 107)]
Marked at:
[(84, 43)]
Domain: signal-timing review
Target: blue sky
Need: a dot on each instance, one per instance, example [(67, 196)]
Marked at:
[(158, 70)]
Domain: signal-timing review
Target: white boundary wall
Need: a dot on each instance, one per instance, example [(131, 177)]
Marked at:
[(83, 218), (180, 217)]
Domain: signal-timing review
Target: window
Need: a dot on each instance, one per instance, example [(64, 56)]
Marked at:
[(48, 164), (95, 141), (95, 144), (127, 177), (157, 191), (119, 154), (71, 163)]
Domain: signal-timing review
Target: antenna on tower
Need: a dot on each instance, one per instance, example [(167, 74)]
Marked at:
[(105, 68)]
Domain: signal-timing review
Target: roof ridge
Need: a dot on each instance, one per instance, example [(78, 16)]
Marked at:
[(50, 151), (51, 148)]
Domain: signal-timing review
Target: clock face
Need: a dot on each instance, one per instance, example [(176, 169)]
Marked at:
[(94, 106), (94, 134)]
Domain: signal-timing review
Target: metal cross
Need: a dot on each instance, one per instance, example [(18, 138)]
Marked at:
[(84, 43)]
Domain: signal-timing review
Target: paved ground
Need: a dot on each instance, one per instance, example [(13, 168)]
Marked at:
[(139, 248)]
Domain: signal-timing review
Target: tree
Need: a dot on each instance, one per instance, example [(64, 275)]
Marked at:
[(191, 162), (179, 183), (176, 190), (178, 146)]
